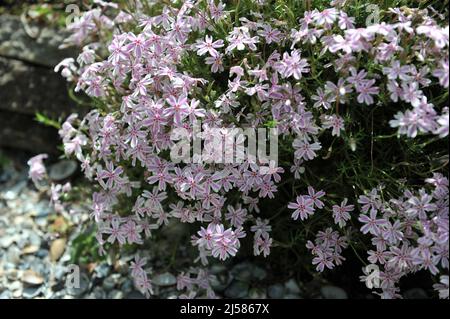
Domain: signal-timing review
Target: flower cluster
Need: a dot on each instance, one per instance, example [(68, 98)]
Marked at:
[(408, 234), (151, 74)]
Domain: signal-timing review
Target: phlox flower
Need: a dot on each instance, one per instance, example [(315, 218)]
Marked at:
[(303, 207)]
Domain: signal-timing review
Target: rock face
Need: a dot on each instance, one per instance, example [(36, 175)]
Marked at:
[(27, 89), (23, 132), (41, 50), (29, 85)]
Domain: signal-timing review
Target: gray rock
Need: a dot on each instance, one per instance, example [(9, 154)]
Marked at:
[(31, 292), (127, 286), (13, 255), (42, 253), (242, 271), (59, 272), (164, 280), (15, 285), (276, 291), (259, 273), (42, 49), (6, 294), (15, 191), (109, 283), (292, 296), (219, 283), (115, 294), (135, 295), (415, 293), (34, 239), (20, 131), (42, 209), (237, 289), (6, 241), (292, 286), (102, 270), (332, 292), (217, 269), (42, 222), (62, 170), (255, 293), (98, 293)]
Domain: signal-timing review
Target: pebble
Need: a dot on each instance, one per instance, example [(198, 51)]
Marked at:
[(415, 293), (15, 285), (32, 278), (98, 293), (135, 295), (242, 272), (62, 170), (109, 283), (333, 292), (164, 280), (276, 291), (115, 294), (57, 248), (292, 296), (31, 292), (237, 289), (6, 241), (292, 286), (102, 270)]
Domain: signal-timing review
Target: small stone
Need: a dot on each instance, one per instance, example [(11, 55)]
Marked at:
[(127, 286), (13, 255), (257, 294), (292, 296), (109, 283), (259, 273), (32, 278), (219, 283), (332, 292), (6, 294), (30, 249), (17, 293), (31, 292), (237, 289), (62, 170), (42, 222), (15, 285), (276, 291), (415, 293), (42, 253), (15, 191), (6, 241), (165, 280), (12, 274), (102, 270), (34, 239), (135, 295), (115, 294), (242, 272), (41, 209), (59, 271), (218, 269), (98, 293), (57, 248), (292, 286)]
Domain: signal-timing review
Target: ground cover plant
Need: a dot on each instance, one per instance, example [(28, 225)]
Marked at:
[(356, 93)]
